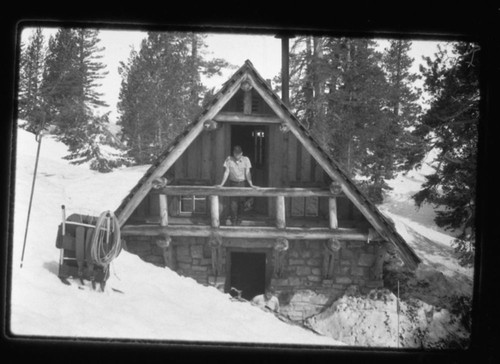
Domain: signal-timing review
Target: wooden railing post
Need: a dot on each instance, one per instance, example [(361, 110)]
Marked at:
[(214, 211), (332, 207), (280, 212), (163, 209)]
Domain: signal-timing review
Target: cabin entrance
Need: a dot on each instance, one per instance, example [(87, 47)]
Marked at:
[(248, 273), (253, 141)]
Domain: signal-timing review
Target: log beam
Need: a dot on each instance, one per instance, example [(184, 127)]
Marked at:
[(214, 211), (280, 212), (225, 116), (251, 232), (245, 191), (163, 209), (332, 207)]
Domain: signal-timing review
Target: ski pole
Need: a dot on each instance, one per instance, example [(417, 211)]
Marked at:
[(39, 137), (63, 212), (397, 311)]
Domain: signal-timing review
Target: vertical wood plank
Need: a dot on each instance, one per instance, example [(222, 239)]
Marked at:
[(205, 151), (314, 165), (194, 162), (219, 150), (280, 212), (214, 211), (305, 165), (163, 209), (298, 162), (213, 155), (273, 168), (284, 137), (247, 102), (292, 158), (332, 205)]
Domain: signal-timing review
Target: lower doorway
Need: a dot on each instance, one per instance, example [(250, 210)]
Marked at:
[(248, 273)]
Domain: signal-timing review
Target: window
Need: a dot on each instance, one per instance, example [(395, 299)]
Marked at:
[(258, 139), (305, 206), (193, 205)]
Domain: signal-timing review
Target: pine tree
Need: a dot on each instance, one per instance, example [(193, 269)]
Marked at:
[(69, 89), (60, 88), (402, 100), (358, 103), (31, 71), (450, 128), (161, 90)]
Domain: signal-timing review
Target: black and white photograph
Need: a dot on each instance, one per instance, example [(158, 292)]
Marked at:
[(287, 189)]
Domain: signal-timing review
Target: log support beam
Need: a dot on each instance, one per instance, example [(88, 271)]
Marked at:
[(280, 212), (250, 232), (245, 191), (163, 209), (214, 211), (332, 207)]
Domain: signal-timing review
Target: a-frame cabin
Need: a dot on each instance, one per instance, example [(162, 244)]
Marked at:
[(307, 227)]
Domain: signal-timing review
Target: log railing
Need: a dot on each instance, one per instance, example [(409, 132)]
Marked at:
[(279, 230), (245, 191), (278, 193)]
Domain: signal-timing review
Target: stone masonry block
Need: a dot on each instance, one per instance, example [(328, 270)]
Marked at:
[(294, 281), (199, 268), (366, 260), (303, 271), (157, 250), (345, 270), (306, 254), (316, 271), (345, 263), (296, 261), (206, 261), (197, 251), (327, 282), (314, 278), (343, 280), (183, 266), (356, 244), (279, 282), (314, 262), (346, 254), (182, 250), (357, 271), (375, 284)]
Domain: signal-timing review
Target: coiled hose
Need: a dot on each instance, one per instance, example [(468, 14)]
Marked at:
[(106, 241)]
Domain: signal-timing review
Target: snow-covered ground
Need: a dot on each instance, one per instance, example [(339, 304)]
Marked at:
[(428, 295), (159, 304)]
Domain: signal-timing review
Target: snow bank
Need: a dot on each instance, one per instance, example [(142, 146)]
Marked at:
[(373, 320), (159, 304), (156, 303), (427, 294)]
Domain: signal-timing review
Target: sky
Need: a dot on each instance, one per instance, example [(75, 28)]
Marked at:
[(263, 51)]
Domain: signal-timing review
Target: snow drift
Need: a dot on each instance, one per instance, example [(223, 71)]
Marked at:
[(156, 303)]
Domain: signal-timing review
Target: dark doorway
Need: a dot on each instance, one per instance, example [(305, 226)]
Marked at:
[(248, 273), (253, 141)]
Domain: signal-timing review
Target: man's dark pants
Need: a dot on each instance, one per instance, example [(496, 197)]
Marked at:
[(236, 202)]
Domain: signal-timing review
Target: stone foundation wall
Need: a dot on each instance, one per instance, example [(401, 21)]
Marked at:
[(302, 288), (191, 256)]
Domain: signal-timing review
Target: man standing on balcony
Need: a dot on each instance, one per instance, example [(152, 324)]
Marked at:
[(237, 170)]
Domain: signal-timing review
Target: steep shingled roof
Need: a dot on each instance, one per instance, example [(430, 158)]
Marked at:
[(381, 224)]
